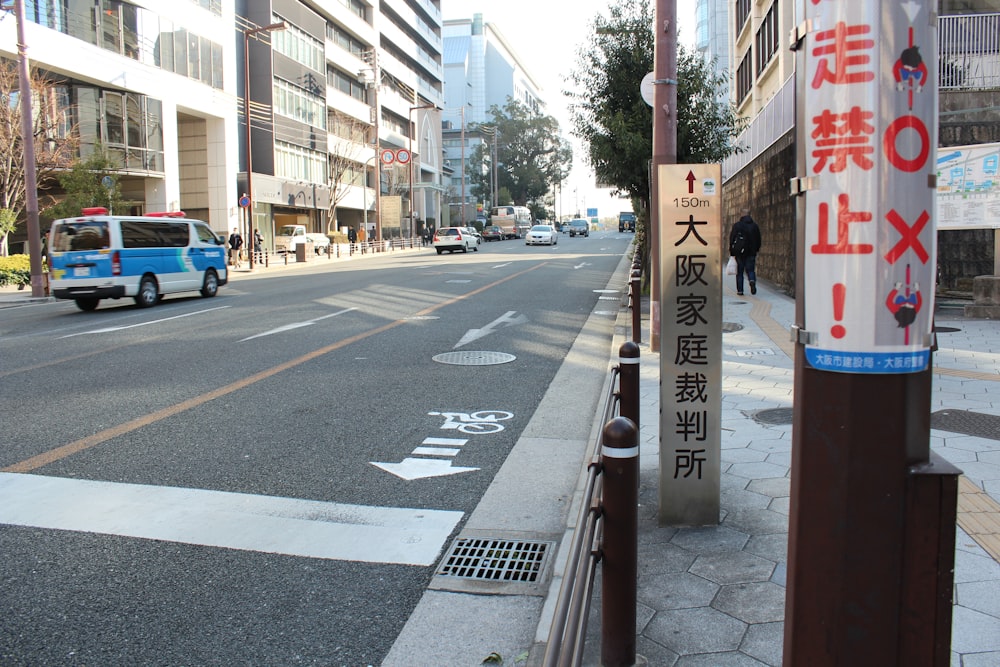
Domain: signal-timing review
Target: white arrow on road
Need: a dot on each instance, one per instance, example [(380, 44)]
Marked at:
[(581, 265), (505, 320), (296, 325), (411, 469)]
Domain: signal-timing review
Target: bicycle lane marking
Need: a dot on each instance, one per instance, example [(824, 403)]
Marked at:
[(59, 453)]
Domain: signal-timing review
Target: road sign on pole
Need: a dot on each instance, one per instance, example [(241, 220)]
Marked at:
[(690, 216)]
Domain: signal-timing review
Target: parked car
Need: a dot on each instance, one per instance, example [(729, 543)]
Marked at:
[(454, 238), (492, 233), (541, 235), (579, 227), (475, 232)]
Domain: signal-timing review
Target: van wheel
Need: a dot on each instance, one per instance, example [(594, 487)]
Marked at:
[(87, 305), (440, 250), (148, 292), (210, 287)]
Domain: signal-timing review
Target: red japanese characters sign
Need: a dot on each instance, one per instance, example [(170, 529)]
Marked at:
[(867, 119)]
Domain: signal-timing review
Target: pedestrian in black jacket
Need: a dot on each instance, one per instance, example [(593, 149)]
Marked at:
[(744, 244)]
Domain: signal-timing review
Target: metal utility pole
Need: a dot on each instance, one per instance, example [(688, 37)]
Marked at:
[(871, 538), (28, 143), (664, 140)]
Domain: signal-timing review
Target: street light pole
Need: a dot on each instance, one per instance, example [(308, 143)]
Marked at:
[(411, 133), (246, 115)]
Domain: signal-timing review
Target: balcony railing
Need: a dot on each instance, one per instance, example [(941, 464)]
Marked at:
[(969, 51)]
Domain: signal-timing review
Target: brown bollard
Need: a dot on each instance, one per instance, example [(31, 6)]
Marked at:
[(628, 381), (635, 287), (620, 459)]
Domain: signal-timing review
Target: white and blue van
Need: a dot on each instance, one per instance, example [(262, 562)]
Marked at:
[(99, 256)]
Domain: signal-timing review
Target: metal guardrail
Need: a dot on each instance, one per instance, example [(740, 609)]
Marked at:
[(606, 530), (969, 51)]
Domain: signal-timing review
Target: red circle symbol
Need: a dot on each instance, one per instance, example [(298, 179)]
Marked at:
[(892, 134), (388, 156), (403, 156)]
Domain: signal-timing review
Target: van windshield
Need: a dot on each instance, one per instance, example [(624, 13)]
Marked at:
[(72, 235)]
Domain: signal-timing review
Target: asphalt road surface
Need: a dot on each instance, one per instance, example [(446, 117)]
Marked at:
[(270, 476)]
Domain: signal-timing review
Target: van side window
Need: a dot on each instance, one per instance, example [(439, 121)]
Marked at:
[(205, 235), (136, 234), (83, 235)]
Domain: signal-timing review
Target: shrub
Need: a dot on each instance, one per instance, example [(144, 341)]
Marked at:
[(15, 270)]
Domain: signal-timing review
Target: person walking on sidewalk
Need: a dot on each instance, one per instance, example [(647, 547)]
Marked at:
[(744, 244), (235, 245)]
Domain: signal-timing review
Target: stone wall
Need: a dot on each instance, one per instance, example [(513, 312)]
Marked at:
[(762, 187)]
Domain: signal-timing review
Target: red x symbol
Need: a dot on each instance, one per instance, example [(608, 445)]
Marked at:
[(909, 237)]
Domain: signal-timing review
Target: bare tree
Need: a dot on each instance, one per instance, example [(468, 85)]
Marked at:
[(53, 135), (347, 166)]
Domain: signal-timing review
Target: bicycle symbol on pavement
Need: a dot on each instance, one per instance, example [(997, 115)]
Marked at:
[(483, 421)]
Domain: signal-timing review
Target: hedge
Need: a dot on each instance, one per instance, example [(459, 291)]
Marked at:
[(15, 270)]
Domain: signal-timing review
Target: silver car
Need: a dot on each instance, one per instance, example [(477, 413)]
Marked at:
[(541, 235)]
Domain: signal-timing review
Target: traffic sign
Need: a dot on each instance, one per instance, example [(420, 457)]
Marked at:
[(403, 156), (387, 156), (245, 201)]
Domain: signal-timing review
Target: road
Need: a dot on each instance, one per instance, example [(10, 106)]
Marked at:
[(268, 476)]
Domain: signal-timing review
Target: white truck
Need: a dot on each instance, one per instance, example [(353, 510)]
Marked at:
[(289, 237)]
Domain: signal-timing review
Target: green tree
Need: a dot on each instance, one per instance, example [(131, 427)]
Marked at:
[(610, 116), (53, 137), (531, 156), (84, 186)]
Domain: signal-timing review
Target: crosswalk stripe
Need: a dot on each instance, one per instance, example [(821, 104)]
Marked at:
[(308, 528)]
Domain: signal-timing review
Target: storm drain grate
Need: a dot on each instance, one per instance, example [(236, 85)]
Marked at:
[(976, 424), (495, 560)]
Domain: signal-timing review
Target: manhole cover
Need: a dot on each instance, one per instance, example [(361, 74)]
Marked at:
[(473, 358), (774, 416), (976, 424), (495, 560), (730, 327), (606, 291), (422, 317), (762, 351)]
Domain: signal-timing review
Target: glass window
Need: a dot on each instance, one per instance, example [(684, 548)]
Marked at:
[(205, 62), (180, 52), (133, 121), (83, 235), (194, 50), (114, 118), (110, 32), (217, 81), (165, 45)]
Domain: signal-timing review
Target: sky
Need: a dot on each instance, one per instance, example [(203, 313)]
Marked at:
[(545, 34)]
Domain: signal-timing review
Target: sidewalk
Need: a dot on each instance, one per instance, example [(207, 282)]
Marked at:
[(714, 596)]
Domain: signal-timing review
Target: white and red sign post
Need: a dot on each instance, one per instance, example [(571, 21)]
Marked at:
[(872, 518)]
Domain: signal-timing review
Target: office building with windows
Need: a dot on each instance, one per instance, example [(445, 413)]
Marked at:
[(339, 84), (154, 84), (482, 70)]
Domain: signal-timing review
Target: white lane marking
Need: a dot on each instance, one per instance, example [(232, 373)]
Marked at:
[(436, 451), (507, 320), (142, 324), (289, 526), (411, 468), (296, 325), (581, 265), (500, 266)]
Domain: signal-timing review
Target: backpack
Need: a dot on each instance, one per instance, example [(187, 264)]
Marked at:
[(739, 244)]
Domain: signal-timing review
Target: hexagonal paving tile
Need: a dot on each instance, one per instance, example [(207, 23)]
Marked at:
[(691, 631), (675, 591), (732, 568), (761, 602), (710, 539)]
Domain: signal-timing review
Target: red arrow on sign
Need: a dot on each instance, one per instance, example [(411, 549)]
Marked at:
[(690, 179)]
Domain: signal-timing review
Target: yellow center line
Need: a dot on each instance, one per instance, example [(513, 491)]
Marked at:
[(82, 444)]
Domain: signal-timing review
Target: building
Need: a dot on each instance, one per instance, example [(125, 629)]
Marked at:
[(764, 91), (155, 85), (711, 35), (481, 70), (346, 81), (162, 86)]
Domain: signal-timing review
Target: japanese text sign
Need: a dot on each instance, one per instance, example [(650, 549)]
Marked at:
[(867, 123), (690, 227)]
